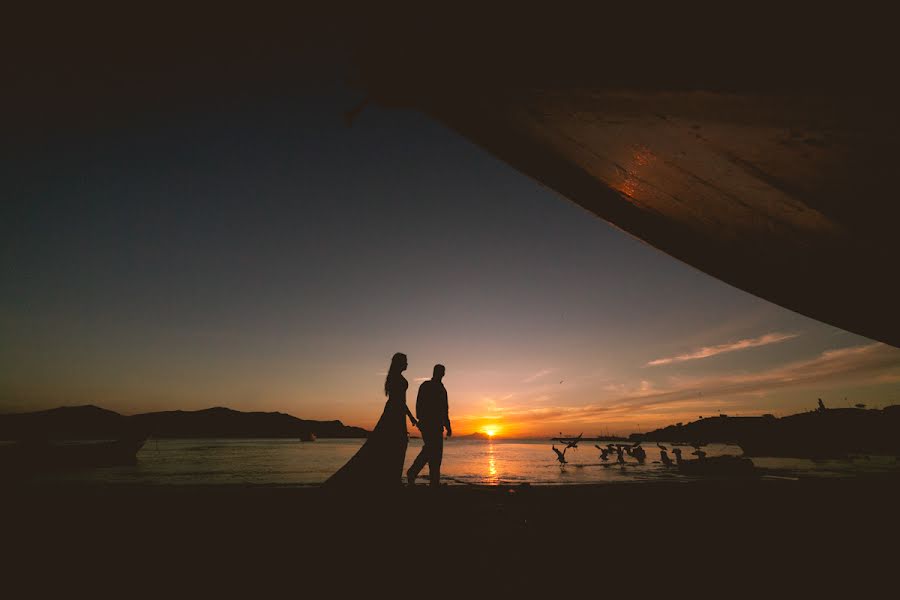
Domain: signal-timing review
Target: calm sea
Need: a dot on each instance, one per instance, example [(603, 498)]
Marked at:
[(289, 462)]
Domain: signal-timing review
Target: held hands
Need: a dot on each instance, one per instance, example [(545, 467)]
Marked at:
[(414, 422), (449, 432)]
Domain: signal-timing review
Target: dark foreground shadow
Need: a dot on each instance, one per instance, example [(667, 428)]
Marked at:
[(802, 535)]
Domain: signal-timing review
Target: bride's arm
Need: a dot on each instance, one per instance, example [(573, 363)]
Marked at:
[(412, 419)]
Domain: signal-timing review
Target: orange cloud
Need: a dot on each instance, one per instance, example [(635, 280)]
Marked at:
[(537, 375), (707, 351), (871, 363)]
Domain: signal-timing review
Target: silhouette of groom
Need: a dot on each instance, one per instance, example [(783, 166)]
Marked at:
[(432, 413)]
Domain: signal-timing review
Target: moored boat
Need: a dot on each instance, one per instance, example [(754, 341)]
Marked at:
[(716, 466), (43, 455)]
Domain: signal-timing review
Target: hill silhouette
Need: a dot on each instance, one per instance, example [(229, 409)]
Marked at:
[(821, 433), (92, 422)]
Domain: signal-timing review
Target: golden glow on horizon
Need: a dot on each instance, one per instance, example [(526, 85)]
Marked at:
[(491, 430)]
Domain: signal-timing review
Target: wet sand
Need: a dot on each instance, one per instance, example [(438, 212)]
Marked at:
[(813, 533)]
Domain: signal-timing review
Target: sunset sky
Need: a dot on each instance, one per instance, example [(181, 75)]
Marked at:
[(261, 255)]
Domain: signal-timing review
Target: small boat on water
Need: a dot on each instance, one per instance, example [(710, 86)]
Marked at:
[(307, 436), (44, 455), (715, 466)]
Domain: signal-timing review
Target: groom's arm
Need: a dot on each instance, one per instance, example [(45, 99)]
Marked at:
[(446, 408)]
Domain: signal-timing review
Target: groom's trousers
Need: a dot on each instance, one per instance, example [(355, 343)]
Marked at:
[(432, 453)]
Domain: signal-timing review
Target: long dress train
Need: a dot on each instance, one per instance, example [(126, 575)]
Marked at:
[(379, 463)]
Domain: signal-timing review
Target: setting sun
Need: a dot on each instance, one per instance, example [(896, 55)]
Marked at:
[(491, 431)]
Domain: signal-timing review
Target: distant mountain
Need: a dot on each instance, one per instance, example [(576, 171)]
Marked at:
[(67, 422), (721, 429), (473, 436), (224, 422), (91, 422)]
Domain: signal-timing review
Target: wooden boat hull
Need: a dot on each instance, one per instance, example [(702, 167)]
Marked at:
[(768, 167)]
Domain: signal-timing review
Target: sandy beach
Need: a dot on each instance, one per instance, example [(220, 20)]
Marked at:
[(807, 533)]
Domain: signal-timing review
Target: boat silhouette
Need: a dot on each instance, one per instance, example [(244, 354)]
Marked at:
[(44, 455)]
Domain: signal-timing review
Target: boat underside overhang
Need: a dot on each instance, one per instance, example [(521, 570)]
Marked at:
[(766, 159)]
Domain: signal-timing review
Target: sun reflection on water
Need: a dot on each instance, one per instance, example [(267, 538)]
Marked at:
[(492, 463)]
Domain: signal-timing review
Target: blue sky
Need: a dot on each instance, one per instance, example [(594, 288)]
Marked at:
[(264, 256)]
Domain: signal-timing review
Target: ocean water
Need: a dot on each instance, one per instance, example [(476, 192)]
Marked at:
[(294, 463)]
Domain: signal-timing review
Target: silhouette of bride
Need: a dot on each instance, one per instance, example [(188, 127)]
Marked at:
[(379, 463)]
